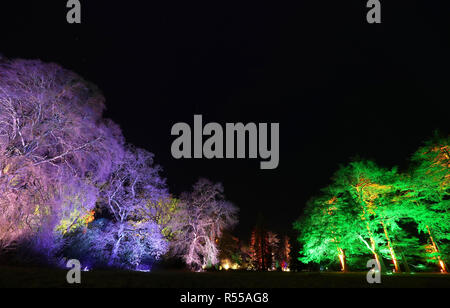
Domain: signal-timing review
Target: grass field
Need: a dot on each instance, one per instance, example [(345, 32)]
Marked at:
[(38, 277)]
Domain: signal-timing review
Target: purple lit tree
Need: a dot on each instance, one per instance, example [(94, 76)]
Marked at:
[(55, 149), (131, 186), (59, 159), (139, 248)]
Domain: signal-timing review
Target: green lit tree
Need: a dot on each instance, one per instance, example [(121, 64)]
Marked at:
[(368, 187), (351, 219), (427, 199), (329, 231), (369, 209)]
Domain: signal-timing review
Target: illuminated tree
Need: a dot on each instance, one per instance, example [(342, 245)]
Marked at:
[(369, 187), (202, 216), (329, 230), (130, 239), (264, 247), (285, 254), (259, 250), (53, 144), (138, 250), (428, 195), (133, 184), (358, 213), (380, 207), (60, 161)]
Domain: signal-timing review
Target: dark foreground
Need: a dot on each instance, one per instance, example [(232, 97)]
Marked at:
[(32, 277)]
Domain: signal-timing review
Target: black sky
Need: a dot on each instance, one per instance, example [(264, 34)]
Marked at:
[(338, 86)]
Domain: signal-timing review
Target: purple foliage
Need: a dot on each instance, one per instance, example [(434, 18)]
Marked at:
[(131, 185), (51, 132), (59, 160), (138, 250)]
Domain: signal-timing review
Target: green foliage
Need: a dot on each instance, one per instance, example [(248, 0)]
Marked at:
[(430, 187), (370, 210), (325, 228)]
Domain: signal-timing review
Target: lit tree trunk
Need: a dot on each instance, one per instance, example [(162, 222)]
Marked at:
[(343, 260), (391, 249), (372, 248), (190, 256), (342, 257), (372, 243), (379, 259), (436, 249), (116, 245)]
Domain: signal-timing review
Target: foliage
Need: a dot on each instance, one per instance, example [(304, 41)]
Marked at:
[(55, 148), (62, 163), (368, 209), (139, 248)]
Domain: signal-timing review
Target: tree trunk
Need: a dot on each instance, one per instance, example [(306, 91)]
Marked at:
[(116, 245), (190, 258), (391, 249), (343, 260), (436, 249), (378, 258)]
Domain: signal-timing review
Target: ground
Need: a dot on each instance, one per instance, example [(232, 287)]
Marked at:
[(38, 277)]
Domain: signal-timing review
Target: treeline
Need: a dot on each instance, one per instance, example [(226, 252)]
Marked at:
[(369, 212), (72, 187)]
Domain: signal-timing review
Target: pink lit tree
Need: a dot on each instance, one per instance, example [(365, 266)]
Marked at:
[(202, 216)]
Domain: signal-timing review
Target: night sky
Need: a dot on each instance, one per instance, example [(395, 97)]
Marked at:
[(338, 86)]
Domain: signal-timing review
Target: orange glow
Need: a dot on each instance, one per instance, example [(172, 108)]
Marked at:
[(342, 259), (332, 200), (226, 265), (442, 264), (90, 217)]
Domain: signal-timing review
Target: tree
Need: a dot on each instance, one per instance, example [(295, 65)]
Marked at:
[(133, 184), (367, 184), (381, 208), (329, 230), (202, 217), (285, 254), (354, 215), (263, 250), (259, 250), (53, 142), (61, 163), (138, 250), (428, 195)]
